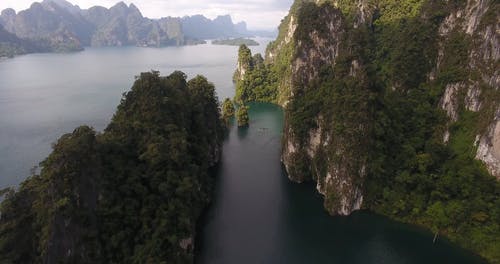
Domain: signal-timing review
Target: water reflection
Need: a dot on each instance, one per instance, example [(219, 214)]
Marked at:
[(259, 216)]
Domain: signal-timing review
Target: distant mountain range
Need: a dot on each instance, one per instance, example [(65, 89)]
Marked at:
[(11, 45), (59, 26)]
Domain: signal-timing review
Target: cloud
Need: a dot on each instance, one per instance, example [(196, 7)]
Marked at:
[(259, 14)]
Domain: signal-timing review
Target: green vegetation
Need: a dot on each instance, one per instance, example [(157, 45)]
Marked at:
[(11, 45), (413, 175), (236, 42), (8, 50), (242, 116), (245, 58), (279, 56), (259, 83), (227, 109), (388, 112), (129, 195), (415, 178)]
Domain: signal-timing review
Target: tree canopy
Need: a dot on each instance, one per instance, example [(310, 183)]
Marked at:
[(242, 116), (131, 194), (227, 109)]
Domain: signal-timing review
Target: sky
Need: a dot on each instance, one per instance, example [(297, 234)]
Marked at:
[(259, 14)]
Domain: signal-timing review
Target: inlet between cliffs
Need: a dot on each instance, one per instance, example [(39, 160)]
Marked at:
[(259, 216)]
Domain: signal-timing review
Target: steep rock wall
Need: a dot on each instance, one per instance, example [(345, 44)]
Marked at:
[(393, 106), (332, 36), (328, 145), (477, 91)]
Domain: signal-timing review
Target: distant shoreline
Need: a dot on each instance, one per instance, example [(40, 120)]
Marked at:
[(235, 42)]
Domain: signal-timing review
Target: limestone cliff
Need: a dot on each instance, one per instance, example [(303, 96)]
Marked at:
[(306, 45), (394, 106), (488, 149), (245, 63), (11, 45), (48, 24), (330, 151), (478, 90), (59, 26)]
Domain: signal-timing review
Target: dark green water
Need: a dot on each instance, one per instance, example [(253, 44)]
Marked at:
[(259, 216)]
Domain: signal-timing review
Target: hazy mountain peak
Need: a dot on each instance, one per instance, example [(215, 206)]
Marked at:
[(122, 24), (8, 12), (224, 19), (241, 27), (197, 17), (51, 6), (119, 9), (133, 9), (35, 6), (61, 3), (120, 5)]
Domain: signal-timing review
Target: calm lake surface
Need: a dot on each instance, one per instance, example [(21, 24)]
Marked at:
[(43, 96), (257, 216)]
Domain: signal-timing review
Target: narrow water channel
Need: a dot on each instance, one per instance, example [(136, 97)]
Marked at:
[(259, 216)]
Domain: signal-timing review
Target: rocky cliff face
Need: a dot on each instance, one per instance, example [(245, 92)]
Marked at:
[(279, 53), (488, 146), (61, 26), (393, 106), (244, 64), (49, 25), (98, 26), (332, 157), (478, 90), (11, 45), (123, 25), (318, 39)]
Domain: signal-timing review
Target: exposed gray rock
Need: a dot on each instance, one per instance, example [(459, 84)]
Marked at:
[(488, 149), (449, 102), (11, 45), (340, 175), (484, 57), (472, 100), (66, 27), (340, 172)]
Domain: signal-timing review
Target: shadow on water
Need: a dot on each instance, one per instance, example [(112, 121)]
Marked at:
[(242, 132), (259, 216)]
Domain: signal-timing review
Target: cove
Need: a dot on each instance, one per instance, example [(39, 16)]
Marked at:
[(259, 216)]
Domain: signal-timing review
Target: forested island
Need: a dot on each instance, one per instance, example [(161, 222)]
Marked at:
[(391, 106), (236, 42), (130, 194)]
